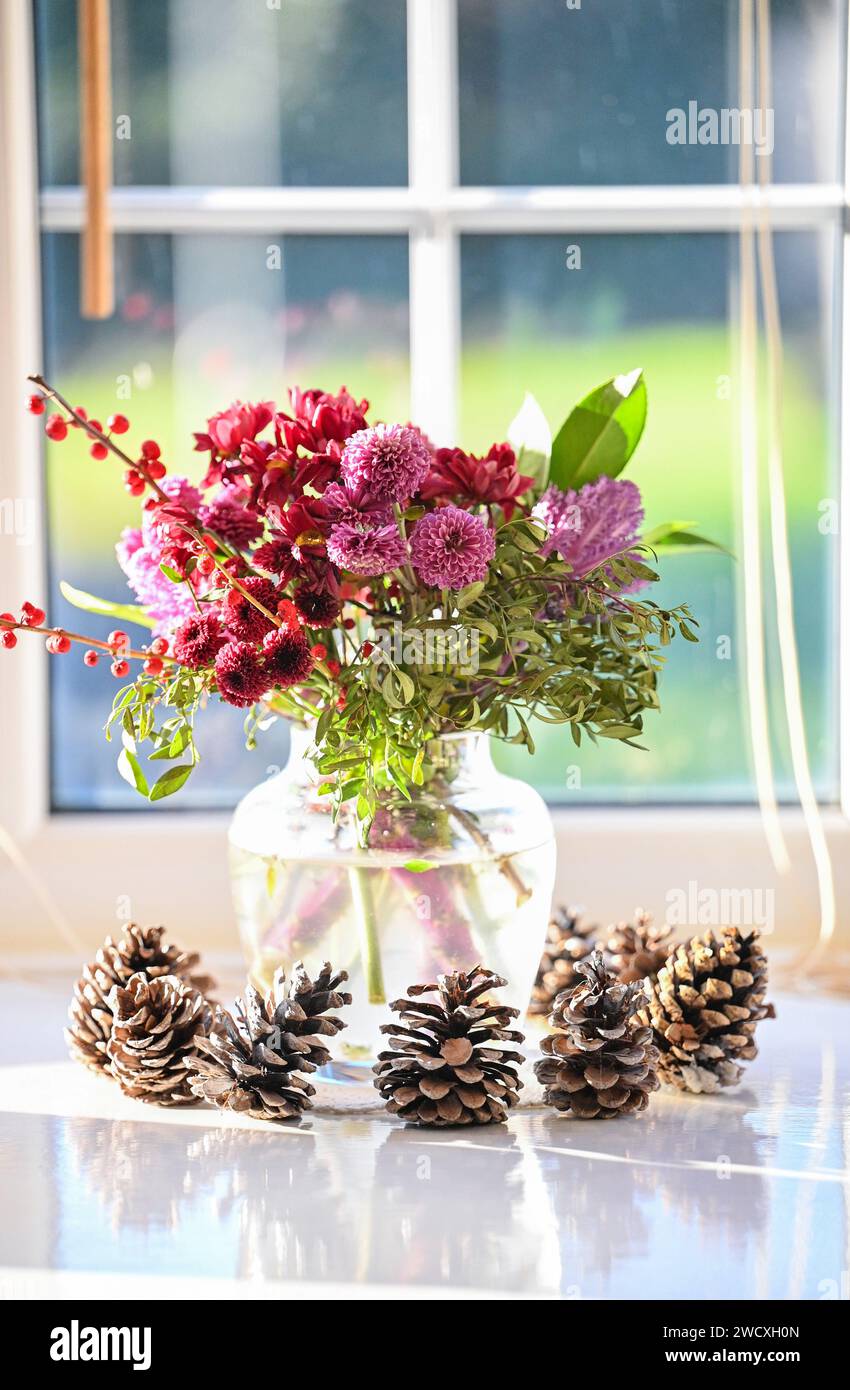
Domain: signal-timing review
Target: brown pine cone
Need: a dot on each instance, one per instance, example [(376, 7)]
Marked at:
[(252, 1064), (704, 1007), (139, 949), (447, 1067), (637, 951), (155, 1028), (568, 940), (603, 1062)]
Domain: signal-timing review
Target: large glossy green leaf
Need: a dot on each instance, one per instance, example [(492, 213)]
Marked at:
[(600, 435), (127, 612)]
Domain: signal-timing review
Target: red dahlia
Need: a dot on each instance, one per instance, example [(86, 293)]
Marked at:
[(317, 607), (241, 617), (197, 641), (288, 659), (239, 674), (457, 476)]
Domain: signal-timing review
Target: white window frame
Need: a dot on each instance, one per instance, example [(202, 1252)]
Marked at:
[(92, 866)]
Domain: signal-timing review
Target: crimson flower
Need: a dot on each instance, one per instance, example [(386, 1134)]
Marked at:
[(495, 478), (227, 430)]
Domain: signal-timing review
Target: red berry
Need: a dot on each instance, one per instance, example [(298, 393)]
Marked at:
[(156, 470), (366, 650), (159, 646), (98, 450), (96, 425), (118, 640), (150, 449), (8, 640), (348, 624), (81, 411), (55, 428), (394, 590), (118, 424), (210, 542), (58, 644), (8, 617), (120, 668), (286, 609), (91, 658), (334, 668), (152, 666), (35, 405), (31, 616), (134, 482), (319, 652), (206, 565), (341, 700)]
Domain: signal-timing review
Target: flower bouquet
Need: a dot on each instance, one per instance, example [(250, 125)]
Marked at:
[(397, 602)]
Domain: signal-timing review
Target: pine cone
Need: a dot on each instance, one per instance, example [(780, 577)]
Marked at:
[(637, 951), (447, 1068), (155, 1027), (140, 949), (704, 1007), (568, 940), (603, 1063), (253, 1063)]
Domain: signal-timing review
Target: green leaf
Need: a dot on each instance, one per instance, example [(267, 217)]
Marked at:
[(127, 612), (600, 435), (677, 536), (171, 781), (531, 438), (419, 866), (130, 769), (170, 573)]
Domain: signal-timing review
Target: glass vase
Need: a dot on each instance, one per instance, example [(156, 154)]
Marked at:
[(462, 873)]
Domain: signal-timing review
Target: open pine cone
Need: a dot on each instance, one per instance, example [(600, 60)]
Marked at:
[(447, 1067), (253, 1064), (139, 949), (568, 941), (704, 1007), (603, 1062), (637, 951), (155, 1027)]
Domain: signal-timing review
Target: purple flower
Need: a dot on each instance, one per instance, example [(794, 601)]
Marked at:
[(140, 553), (228, 515), (366, 549), (589, 526), (451, 548), (356, 505), (392, 459)]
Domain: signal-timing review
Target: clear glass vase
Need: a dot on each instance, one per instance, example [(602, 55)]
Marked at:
[(460, 874)]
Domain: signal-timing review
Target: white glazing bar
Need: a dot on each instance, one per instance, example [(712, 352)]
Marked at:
[(429, 208), (434, 252), (844, 473)]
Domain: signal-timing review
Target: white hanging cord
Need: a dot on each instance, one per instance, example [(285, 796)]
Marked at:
[(779, 522), (753, 601)]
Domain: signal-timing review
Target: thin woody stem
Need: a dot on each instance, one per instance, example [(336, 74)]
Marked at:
[(87, 641), (197, 531)]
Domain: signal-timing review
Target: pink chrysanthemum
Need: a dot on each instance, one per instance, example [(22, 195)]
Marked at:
[(229, 516), (241, 617), (366, 550), (391, 459), (286, 658), (239, 674), (357, 506), (198, 640), (451, 548), (587, 527)]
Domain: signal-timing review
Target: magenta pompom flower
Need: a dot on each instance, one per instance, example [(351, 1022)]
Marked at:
[(198, 640), (366, 550), (239, 675), (587, 527), (451, 548), (229, 516), (286, 658), (391, 459), (357, 506), (242, 617)]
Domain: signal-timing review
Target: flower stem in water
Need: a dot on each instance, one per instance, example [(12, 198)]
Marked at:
[(367, 931)]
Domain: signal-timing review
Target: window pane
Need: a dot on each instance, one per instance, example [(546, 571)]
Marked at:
[(661, 302), (556, 94), (310, 92), (202, 320)]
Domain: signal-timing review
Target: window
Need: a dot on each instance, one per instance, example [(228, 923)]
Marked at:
[(445, 203)]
